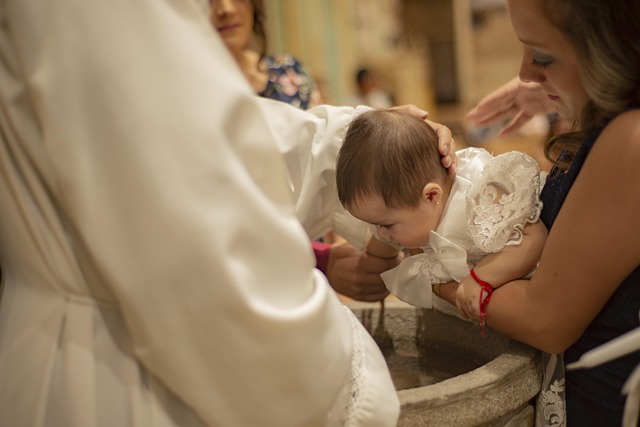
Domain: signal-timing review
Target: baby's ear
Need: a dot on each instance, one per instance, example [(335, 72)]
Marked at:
[(432, 193)]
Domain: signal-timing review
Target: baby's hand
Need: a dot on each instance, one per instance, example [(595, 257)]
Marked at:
[(468, 299)]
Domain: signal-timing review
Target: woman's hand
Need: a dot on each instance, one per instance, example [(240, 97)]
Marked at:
[(515, 101), (446, 144)]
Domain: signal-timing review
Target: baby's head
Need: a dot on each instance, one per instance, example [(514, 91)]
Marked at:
[(389, 174)]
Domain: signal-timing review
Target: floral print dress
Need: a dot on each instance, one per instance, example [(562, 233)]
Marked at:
[(289, 82)]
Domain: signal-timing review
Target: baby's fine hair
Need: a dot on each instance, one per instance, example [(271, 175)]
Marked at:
[(388, 153)]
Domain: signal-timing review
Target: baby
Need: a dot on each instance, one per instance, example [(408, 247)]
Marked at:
[(480, 224)]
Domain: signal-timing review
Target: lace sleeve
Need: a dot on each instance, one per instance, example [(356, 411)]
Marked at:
[(503, 200)]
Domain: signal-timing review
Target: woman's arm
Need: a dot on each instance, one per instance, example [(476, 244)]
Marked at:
[(593, 245), (512, 262)]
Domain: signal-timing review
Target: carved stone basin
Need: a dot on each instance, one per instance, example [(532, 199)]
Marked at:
[(446, 373)]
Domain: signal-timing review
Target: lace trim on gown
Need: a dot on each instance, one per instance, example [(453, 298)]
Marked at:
[(503, 201), (551, 404)]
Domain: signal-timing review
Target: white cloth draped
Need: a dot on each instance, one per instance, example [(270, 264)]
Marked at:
[(155, 271), (311, 166)]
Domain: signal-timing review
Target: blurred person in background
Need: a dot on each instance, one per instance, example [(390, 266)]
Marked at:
[(370, 92)]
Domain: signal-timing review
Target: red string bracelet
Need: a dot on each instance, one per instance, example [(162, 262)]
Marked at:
[(486, 287)]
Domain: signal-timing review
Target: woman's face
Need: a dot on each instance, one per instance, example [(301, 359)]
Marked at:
[(548, 58), (233, 19)]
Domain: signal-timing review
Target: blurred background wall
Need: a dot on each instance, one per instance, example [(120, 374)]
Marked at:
[(442, 55)]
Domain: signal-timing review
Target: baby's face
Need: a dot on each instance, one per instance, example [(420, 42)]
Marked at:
[(405, 226)]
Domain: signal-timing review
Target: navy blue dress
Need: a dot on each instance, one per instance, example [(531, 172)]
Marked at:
[(594, 395)]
